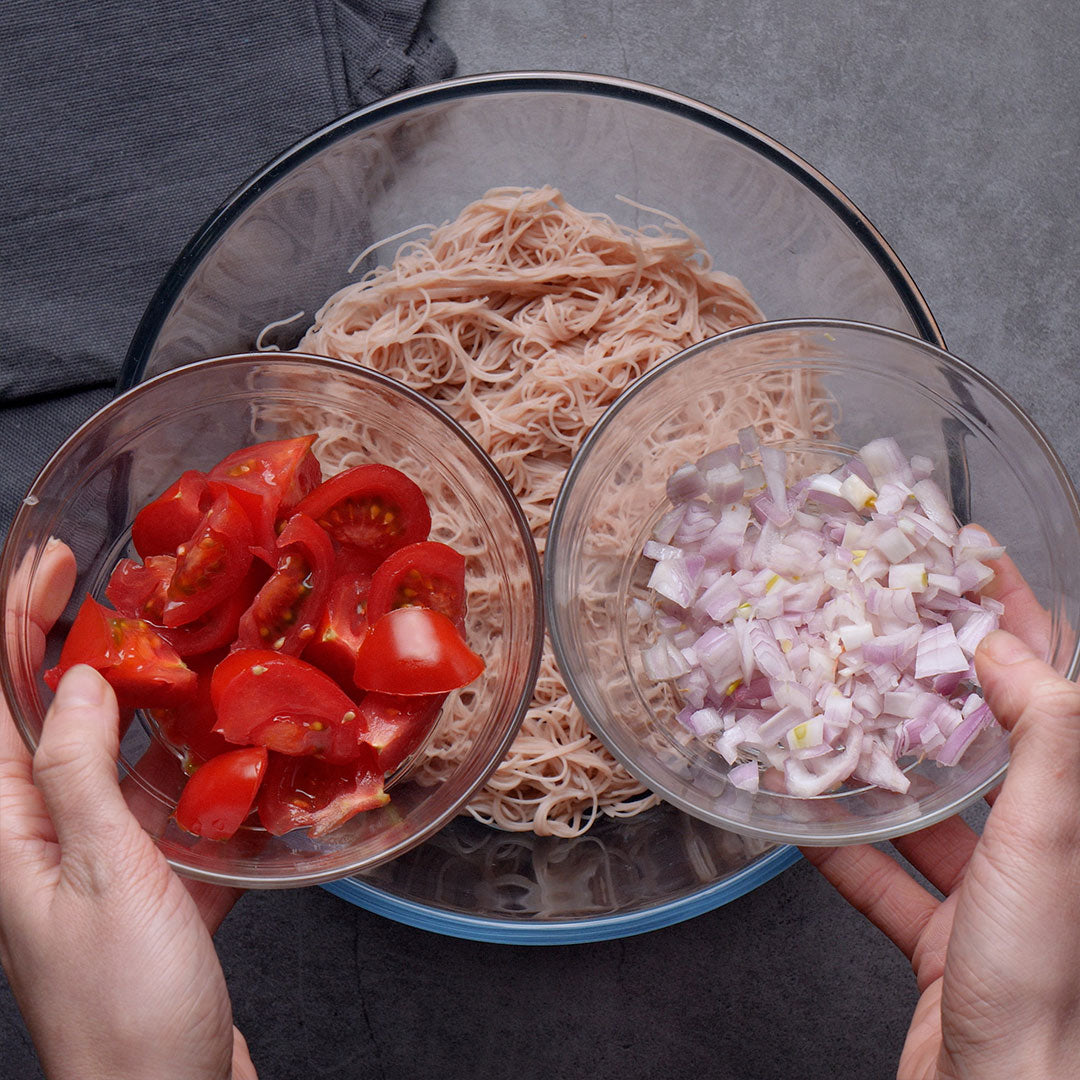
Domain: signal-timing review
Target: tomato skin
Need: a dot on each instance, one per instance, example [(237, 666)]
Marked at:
[(280, 702), (163, 525), (305, 792), (413, 651), (269, 479), (140, 666), (395, 726), (221, 792), (427, 574), (285, 613), (212, 563), (371, 507), (343, 623)]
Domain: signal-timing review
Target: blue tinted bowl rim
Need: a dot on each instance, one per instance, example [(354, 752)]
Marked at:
[(142, 344), (570, 82), (566, 931)]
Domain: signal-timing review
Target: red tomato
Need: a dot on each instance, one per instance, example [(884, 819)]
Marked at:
[(221, 793), (304, 792), (135, 660), (163, 525), (428, 574), (343, 623), (277, 701), (269, 479), (395, 726), (284, 614), (371, 507), (190, 727), (140, 590), (212, 563), (414, 651)]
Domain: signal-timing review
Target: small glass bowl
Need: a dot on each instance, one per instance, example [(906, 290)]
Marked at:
[(992, 461), (190, 418)]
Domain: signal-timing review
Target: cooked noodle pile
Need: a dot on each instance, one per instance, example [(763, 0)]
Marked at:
[(524, 318)]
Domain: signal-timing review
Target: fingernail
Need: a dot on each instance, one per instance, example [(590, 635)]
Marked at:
[(1003, 648), (81, 687)]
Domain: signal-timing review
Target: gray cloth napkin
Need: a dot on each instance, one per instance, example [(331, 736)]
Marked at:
[(122, 127)]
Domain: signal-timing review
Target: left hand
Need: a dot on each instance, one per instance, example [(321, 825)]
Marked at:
[(108, 951)]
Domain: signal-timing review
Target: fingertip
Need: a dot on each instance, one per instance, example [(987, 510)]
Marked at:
[(53, 584), (81, 687), (1001, 647)]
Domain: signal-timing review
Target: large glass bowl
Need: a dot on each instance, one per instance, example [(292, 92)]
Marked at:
[(994, 464), (284, 242), (191, 418)]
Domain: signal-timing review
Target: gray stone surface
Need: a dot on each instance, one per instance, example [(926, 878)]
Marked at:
[(954, 127)]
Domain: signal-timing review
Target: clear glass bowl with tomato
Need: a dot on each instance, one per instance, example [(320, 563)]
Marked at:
[(276, 557)]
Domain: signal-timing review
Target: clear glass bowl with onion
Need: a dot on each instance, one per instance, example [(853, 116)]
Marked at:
[(818, 390)]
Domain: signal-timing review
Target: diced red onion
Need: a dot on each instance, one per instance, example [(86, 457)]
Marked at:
[(825, 628)]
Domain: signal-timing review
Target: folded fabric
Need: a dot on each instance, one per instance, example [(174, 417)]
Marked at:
[(126, 124)]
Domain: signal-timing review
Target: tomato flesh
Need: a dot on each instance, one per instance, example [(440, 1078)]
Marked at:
[(212, 563), (141, 591), (269, 479), (395, 726), (371, 507), (413, 651), (190, 727), (286, 611), (221, 792), (163, 525), (280, 702), (427, 574), (134, 659), (343, 623), (320, 796)]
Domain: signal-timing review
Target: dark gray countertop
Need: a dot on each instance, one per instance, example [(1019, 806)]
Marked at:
[(954, 128)]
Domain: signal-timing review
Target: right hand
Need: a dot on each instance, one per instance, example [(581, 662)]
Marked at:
[(997, 961)]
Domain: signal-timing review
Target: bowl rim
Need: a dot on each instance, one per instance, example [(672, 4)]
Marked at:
[(8, 556), (952, 365), (577, 931), (538, 81)]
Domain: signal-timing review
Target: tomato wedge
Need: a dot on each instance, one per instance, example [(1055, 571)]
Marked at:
[(305, 792), (270, 699), (190, 727), (427, 574), (135, 660), (371, 507), (413, 651), (213, 562), (343, 624), (269, 479), (395, 726), (140, 590), (285, 612), (163, 525), (221, 793)]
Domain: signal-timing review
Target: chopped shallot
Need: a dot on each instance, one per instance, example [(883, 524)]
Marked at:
[(823, 629)]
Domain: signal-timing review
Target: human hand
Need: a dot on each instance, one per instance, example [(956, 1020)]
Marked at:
[(108, 951), (998, 960)]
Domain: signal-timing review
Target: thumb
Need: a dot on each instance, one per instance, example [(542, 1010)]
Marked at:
[(1029, 698), (75, 771)]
